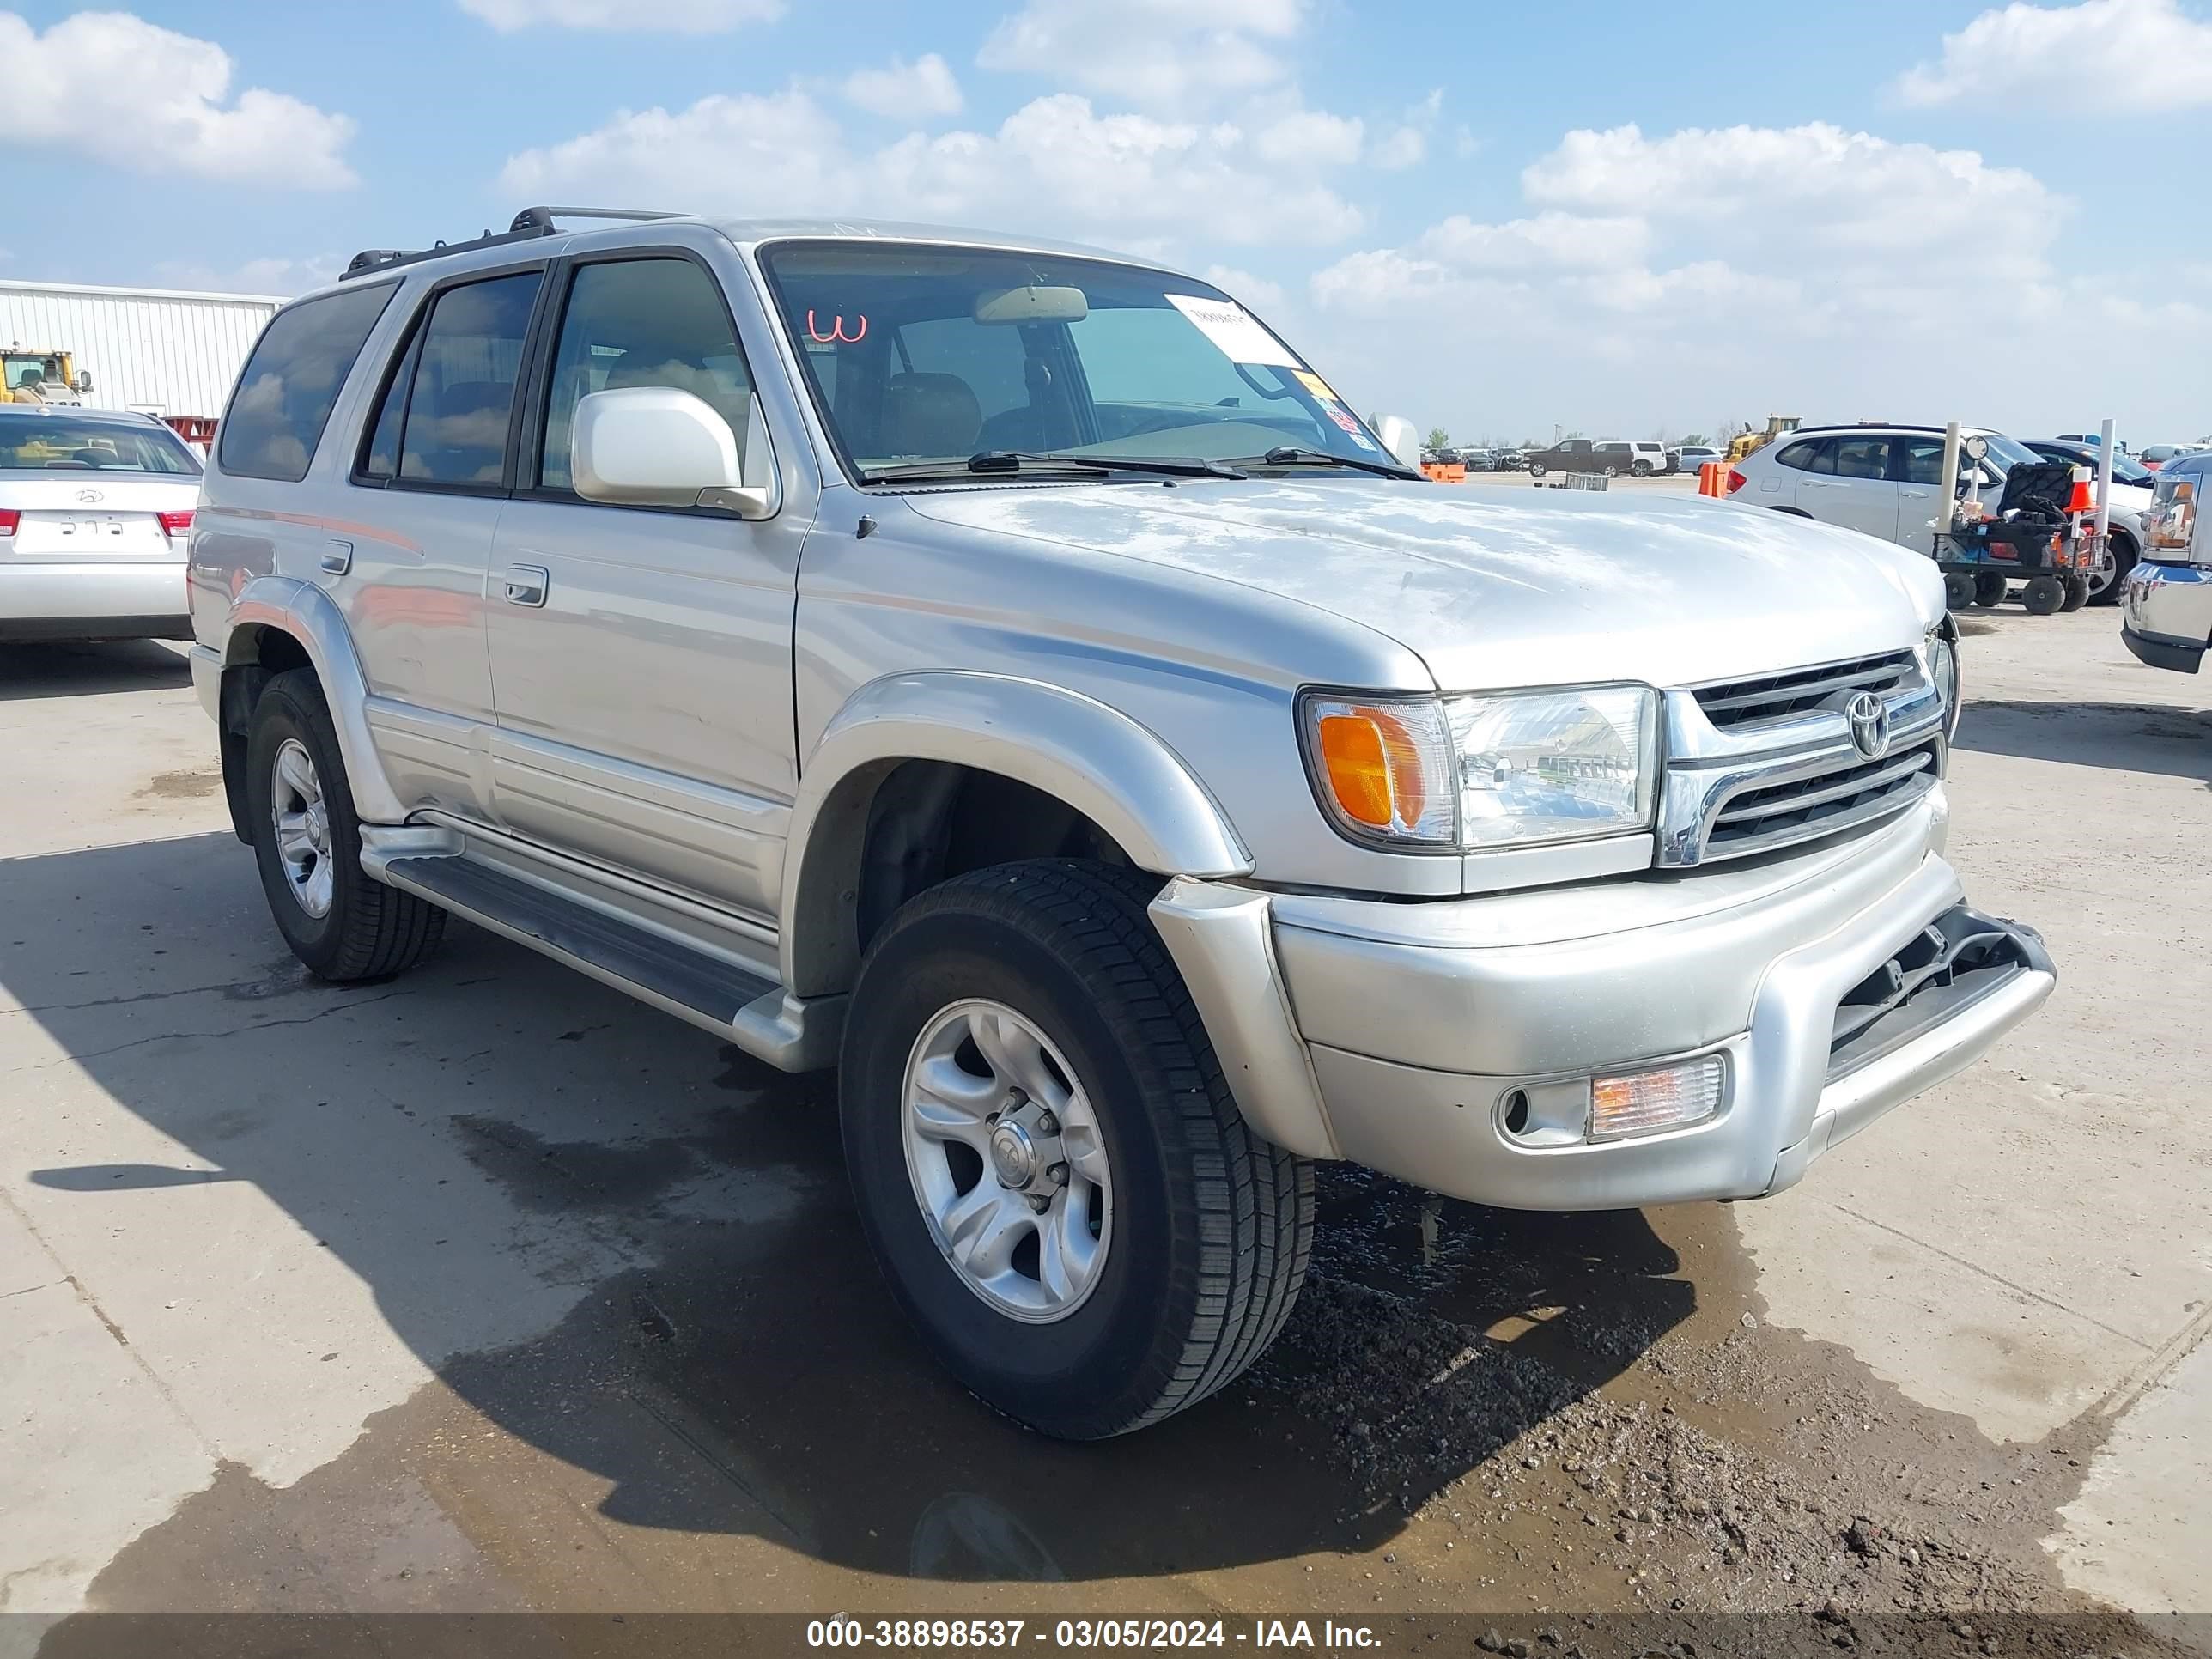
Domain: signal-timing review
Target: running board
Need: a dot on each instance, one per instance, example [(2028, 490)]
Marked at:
[(757, 1015)]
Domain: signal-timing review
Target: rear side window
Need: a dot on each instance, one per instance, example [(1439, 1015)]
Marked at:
[(1862, 458), (291, 381), (445, 416), (1800, 455)]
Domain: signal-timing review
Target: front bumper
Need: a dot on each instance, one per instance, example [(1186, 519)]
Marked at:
[(1393, 1035), (2166, 615)]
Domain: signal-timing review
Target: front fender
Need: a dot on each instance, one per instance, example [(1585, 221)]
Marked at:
[(308, 616), (1097, 759)]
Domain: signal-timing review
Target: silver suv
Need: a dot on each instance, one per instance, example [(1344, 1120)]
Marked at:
[(1011, 674)]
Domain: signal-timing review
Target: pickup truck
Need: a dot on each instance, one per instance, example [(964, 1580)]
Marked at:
[(1011, 674)]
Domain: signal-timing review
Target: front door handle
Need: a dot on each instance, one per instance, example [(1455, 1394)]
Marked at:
[(526, 584)]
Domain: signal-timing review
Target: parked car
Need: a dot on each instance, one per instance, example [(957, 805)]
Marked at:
[(2157, 455), (1479, 460), (2168, 616), (1882, 480), (1611, 456), (1688, 458), (630, 592), (1512, 460), (2126, 469), (94, 508)]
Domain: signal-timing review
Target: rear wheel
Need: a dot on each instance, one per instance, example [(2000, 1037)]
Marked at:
[(306, 839), (1049, 1167), (1957, 590), (2043, 595), (2077, 593), (1641, 469), (1989, 590)]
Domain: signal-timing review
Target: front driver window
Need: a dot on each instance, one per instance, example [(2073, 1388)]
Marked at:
[(642, 322)]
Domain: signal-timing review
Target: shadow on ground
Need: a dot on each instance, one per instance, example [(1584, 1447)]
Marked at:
[(2120, 737), (493, 1133), (43, 670)]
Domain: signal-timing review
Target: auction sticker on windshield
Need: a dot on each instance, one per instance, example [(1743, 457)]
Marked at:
[(1235, 330)]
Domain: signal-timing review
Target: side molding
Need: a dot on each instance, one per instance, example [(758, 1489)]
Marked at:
[(1096, 758), (307, 615)]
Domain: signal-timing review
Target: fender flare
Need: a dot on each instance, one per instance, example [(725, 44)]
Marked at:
[(1106, 766), (308, 616)]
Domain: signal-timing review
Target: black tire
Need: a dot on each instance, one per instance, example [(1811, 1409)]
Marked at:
[(1612, 472), (1536, 469), (1990, 589), (1212, 1226), (1957, 590), (2043, 595), (1640, 470), (2077, 593), (370, 930), (2124, 556)]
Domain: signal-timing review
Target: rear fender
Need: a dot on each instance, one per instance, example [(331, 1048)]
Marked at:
[(307, 614)]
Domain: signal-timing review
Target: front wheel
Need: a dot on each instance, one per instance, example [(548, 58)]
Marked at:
[(1536, 469), (2109, 581), (1056, 1183), (1990, 589), (2077, 593), (2043, 595), (1957, 590)]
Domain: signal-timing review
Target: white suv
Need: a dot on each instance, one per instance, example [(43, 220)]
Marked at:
[(1882, 480), (1639, 457)]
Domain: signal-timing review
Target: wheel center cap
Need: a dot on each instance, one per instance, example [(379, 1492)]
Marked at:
[(1013, 1155)]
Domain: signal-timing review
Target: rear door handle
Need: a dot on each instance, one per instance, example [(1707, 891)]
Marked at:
[(526, 584)]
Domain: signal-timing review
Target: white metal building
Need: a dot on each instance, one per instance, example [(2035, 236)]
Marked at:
[(156, 349)]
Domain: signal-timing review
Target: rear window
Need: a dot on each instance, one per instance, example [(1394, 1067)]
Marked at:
[(60, 443), (291, 381)]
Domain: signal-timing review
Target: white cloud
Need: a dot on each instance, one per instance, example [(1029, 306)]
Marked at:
[(1159, 54), (660, 16), (113, 86), (1256, 292), (2100, 56), (283, 277), (1310, 138), (1806, 270), (900, 90), (1053, 166), (1403, 149)]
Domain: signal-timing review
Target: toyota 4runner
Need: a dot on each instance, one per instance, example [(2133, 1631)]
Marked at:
[(1011, 674)]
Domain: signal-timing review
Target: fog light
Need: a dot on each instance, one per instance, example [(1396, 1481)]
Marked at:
[(1665, 1097)]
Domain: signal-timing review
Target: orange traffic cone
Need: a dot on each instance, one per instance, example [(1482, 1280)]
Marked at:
[(2083, 501)]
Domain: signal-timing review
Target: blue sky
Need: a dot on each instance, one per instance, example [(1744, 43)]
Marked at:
[(1674, 215)]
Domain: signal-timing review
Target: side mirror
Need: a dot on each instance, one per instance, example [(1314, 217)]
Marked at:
[(658, 445), (83, 381), (1399, 437)]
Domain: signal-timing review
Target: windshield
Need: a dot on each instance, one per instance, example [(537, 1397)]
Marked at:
[(2006, 453), (924, 356), (62, 443)]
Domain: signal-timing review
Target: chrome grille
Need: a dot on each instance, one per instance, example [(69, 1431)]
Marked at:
[(1772, 696), (1802, 808)]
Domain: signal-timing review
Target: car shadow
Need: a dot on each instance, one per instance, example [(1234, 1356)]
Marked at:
[(2120, 737), (56, 670), (492, 1132)]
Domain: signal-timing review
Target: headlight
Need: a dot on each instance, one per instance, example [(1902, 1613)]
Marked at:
[(1503, 769), (1942, 663)]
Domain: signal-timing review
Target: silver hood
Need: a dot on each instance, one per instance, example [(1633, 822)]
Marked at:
[(1498, 587)]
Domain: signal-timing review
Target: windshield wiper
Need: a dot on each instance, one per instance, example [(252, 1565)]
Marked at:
[(1291, 455), (1013, 461)]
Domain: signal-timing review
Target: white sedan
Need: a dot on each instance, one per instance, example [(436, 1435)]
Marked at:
[(96, 508)]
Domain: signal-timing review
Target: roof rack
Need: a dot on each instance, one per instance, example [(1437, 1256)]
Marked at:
[(528, 225)]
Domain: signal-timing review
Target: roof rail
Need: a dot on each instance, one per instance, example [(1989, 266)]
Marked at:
[(528, 225)]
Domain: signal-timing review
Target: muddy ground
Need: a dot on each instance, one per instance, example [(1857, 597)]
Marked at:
[(490, 1292)]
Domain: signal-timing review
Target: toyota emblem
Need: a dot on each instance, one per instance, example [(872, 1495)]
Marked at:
[(88, 496), (1869, 718)]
